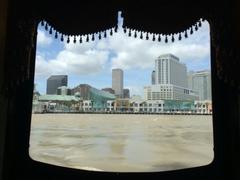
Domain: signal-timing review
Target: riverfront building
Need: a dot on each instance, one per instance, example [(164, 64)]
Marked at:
[(200, 81), (95, 99), (56, 81), (170, 81)]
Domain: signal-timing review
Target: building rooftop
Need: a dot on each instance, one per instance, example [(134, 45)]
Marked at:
[(169, 55), (58, 98), (102, 93), (56, 77)]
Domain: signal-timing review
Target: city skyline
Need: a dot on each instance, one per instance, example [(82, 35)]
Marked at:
[(92, 62)]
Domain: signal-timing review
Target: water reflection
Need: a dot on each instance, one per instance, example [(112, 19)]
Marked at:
[(122, 142)]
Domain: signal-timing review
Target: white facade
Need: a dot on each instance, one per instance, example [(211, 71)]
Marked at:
[(110, 105), (147, 106), (201, 81), (203, 107), (117, 82), (168, 70), (170, 81), (168, 91), (87, 105)]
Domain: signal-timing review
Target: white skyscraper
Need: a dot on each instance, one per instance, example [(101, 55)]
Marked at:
[(170, 80), (117, 82), (169, 70), (200, 81)]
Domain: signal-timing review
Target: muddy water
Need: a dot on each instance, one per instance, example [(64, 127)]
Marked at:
[(124, 143)]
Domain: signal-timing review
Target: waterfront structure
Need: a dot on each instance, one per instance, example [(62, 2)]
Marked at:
[(98, 98), (58, 103), (126, 93), (179, 106), (63, 90), (110, 90), (110, 106), (168, 91), (87, 106), (117, 82), (203, 107), (55, 81), (122, 105), (200, 81), (147, 106), (170, 81)]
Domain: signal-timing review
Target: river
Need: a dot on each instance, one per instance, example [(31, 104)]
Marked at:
[(122, 142)]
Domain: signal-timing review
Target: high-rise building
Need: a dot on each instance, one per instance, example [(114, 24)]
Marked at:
[(153, 77), (170, 80), (169, 70), (200, 81), (126, 93), (117, 82), (55, 81)]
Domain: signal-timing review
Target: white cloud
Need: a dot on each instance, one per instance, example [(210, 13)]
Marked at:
[(125, 52), (137, 53), (43, 39), (42, 68)]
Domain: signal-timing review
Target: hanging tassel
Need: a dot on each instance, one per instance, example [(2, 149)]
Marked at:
[(111, 32), (74, 40), (141, 36), (153, 39), (186, 35), (87, 39), (93, 37), (199, 23), (68, 40), (196, 27), (159, 37), (125, 30), (179, 37), (56, 35), (129, 33), (116, 28), (99, 36), (105, 34), (166, 39), (147, 37), (46, 26), (80, 40), (42, 23), (173, 38), (62, 38), (50, 30), (135, 34), (191, 30)]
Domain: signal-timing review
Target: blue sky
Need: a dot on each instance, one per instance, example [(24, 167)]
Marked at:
[(92, 62)]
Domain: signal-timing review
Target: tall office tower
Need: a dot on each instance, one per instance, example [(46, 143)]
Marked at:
[(153, 77), (117, 82), (126, 93), (201, 81), (55, 81), (169, 70), (170, 80)]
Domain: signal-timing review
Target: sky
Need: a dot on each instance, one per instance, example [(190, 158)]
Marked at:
[(92, 62)]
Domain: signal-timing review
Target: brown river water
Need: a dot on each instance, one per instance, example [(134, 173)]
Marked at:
[(122, 142)]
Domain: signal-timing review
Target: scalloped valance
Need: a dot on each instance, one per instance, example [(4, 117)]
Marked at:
[(167, 37), (88, 17)]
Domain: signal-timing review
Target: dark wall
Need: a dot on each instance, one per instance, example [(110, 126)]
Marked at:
[(3, 100)]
